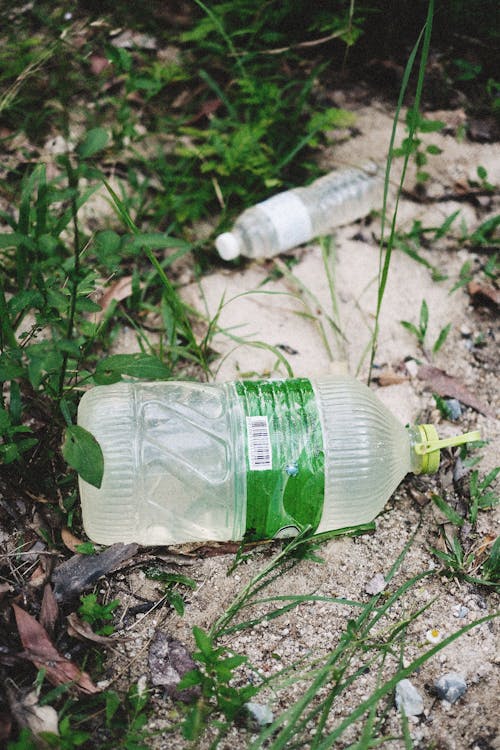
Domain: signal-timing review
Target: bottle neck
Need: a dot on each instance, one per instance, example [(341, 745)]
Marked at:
[(416, 459)]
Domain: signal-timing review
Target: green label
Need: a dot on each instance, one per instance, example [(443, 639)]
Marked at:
[(285, 458)]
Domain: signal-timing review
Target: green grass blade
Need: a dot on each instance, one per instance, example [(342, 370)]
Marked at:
[(385, 259)]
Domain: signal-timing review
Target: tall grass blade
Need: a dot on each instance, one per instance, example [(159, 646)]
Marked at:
[(385, 259)]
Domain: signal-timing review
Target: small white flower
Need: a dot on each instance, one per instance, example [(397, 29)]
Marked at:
[(433, 635)]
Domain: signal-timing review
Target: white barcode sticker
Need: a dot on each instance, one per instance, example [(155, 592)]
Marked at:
[(260, 455)]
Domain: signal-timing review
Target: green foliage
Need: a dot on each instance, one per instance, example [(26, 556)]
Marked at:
[(413, 145), (463, 556), (173, 582), (83, 453), (420, 330), (213, 677), (96, 614)]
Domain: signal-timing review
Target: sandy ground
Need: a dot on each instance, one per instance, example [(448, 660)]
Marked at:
[(349, 564)]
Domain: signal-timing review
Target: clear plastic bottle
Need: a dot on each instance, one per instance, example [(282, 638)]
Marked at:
[(256, 459), (296, 216)]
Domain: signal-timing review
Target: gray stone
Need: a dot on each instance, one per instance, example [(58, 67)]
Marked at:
[(450, 686), (454, 408), (408, 699)]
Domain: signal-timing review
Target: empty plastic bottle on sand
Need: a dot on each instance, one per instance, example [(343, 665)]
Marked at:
[(296, 216), (187, 462)]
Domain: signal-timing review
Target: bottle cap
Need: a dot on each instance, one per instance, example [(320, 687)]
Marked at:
[(227, 246), (430, 446)]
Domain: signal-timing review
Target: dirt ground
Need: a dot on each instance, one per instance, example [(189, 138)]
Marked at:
[(350, 564)]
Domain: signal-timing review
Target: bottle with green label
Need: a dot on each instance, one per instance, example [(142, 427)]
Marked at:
[(251, 460)]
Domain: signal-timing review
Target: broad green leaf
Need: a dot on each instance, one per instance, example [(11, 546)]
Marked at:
[(145, 366), (95, 140), (83, 453), (203, 641)]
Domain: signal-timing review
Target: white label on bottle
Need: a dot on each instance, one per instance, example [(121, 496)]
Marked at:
[(290, 219), (260, 455)]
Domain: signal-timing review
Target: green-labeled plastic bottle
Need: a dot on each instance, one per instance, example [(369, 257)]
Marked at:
[(188, 462)]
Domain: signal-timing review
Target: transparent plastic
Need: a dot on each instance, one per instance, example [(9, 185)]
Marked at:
[(175, 459), (296, 216)]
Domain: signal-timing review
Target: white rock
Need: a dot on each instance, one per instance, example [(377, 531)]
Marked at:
[(408, 698)]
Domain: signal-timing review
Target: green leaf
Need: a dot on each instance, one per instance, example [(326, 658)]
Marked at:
[(190, 679), (447, 510), (176, 601), (424, 318), (412, 328), (203, 641), (145, 366), (95, 140), (443, 335), (83, 453), (482, 173), (491, 567), (430, 126), (445, 226), (434, 150)]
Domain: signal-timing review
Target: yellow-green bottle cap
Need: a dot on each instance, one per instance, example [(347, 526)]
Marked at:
[(430, 446)]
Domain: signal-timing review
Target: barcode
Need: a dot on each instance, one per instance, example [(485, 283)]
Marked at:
[(259, 445)]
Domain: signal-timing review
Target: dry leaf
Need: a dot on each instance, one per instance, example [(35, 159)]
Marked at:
[(119, 291), (390, 378), (70, 540), (484, 294), (80, 629), (39, 649), (98, 63), (445, 385), (49, 611)]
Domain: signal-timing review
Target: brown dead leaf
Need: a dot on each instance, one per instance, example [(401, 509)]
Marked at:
[(390, 378), (49, 611), (484, 294), (80, 629), (118, 291), (98, 63), (445, 385), (38, 577), (39, 649), (70, 540)]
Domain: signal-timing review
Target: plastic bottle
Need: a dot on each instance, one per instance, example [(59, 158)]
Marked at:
[(296, 216), (186, 461)]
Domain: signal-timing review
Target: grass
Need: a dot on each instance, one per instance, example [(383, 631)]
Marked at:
[(250, 123)]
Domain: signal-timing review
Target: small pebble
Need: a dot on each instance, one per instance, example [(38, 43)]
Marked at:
[(259, 715), (460, 611), (375, 585), (454, 408), (408, 698), (450, 686)]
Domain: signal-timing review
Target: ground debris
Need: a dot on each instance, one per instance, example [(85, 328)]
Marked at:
[(169, 660), (445, 385), (39, 649), (81, 571)]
